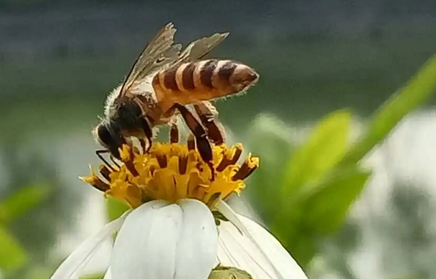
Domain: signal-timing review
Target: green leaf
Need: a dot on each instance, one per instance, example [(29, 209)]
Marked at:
[(270, 139), (22, 201), (414, 93), (325, 146), (326, 205), (223, 272), (93, 276), (115, 208), (12, 256), (37, 271), (302, 247)]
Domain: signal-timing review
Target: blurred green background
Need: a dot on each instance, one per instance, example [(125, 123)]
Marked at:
[(340, 216)]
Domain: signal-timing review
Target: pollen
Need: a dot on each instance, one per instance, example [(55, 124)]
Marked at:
[(174, 171)]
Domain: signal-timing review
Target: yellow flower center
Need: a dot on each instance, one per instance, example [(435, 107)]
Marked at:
[(172, 172)]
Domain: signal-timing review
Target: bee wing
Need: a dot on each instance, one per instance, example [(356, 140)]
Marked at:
[(158, 53), (201, 47)]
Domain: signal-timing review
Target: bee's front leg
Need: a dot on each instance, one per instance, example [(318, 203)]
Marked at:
[(146, 139), (100, 153), (174, 132)]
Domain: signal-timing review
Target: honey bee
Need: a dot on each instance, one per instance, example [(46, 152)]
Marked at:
[(161, 85)]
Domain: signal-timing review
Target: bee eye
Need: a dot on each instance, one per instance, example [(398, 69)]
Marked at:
[(104, 135)]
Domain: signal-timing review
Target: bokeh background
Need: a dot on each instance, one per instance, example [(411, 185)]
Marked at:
[(59, 59)]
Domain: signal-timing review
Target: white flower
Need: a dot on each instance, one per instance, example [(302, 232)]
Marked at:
[(175, 236), (175, 241)]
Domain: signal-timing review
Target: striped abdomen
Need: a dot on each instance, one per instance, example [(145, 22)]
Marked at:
[(203, 80)]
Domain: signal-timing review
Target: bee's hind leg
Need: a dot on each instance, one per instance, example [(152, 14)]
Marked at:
[(202, 142), (209, 118)]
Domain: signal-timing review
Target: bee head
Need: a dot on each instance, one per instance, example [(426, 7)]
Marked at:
[(108, 136)]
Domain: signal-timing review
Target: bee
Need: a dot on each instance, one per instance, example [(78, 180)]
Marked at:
[(162, 83)]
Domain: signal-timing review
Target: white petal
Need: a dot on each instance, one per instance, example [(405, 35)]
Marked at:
[(253, 249), (273, 249), (108, 274), (198, 240), (72, 265), (146, 244)]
